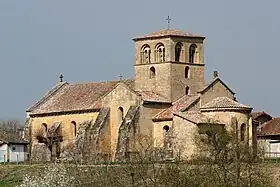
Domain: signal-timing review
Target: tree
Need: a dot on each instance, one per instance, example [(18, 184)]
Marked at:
[(229, 161)]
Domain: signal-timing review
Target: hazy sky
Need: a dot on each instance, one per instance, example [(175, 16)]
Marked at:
[(91, 41)]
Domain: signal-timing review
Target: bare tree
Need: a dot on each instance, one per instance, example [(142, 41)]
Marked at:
[(228, 160)]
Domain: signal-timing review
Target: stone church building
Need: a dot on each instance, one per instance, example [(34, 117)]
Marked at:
[(166, 101)]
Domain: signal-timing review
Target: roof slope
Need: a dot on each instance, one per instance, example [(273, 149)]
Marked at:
[(167, 32), (196, 117), (271, 127), (73, 97), (182, 103), (149, 96), (224, 103), (215, 80), (256, 115)]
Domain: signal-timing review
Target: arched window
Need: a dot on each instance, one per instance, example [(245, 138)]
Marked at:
[(192, 53), (187, 74), (160, 53), (145, 54), (74, 126), (152, 72), (187, 90), (45, 127), (120, 114), (242, 131), (178, 52), (166, 137), (166, 128)]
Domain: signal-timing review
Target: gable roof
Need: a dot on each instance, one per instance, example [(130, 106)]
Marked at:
[(75, 97), (222, 103), (214, 81), (177, 106), (256, 115), (271, 127), (167, 33), (47, 95)]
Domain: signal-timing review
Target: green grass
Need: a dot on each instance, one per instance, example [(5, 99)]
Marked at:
[(11, 175)]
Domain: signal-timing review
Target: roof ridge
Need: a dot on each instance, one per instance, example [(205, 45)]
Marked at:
[(123, 80), (212, 82)]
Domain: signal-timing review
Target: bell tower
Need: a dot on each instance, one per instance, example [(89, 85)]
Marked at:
[(170, 63)]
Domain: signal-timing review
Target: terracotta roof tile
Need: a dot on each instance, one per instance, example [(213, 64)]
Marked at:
[(196, 117), (153, 97), (271, 127), (221, 103), (73, 97), (177, 106), (256, 115), (167, 32)]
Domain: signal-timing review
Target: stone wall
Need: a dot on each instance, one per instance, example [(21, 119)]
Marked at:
[(169, 77), (67, 128), (120, 97), (159, 132), (185, 134), (216, 90), (228, 118), (179, 82)]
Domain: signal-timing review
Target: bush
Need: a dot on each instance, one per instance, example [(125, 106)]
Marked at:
[(53, 175)]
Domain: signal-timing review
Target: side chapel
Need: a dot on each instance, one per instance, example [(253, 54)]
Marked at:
[(167, 101)]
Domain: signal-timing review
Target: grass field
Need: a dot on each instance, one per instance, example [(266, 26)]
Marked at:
[(12, 174)]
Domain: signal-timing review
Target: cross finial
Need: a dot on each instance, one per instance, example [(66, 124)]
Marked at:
[(168, 19), (120, 76), (61, 77)]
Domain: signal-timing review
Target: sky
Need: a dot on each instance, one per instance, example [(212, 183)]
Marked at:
[(91, 40)]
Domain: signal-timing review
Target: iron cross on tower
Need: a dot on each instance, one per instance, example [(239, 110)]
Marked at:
[(168, 19)]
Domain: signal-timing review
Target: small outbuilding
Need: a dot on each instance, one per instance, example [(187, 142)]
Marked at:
[(13, 148)]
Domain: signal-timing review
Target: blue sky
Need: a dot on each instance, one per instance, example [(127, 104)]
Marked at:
[(89, 40)]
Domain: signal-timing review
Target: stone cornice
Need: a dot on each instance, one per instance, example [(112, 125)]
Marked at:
[(64, 113), (171, 62)]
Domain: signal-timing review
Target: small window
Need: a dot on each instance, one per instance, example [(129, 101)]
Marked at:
[(45, 127), (166, 128), (187, 72), (187, 90), (120, 114), (242, 131), (152, 72), (74, 127)]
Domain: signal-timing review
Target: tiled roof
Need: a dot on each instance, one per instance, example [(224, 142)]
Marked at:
[(153, 97), (256, 115), (224, 103), (167, 32), (73, 97), (177, 106), (47, 95), (271, 127), (196, 117)]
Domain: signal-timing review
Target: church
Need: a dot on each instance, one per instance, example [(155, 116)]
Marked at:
[(167, 101)]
